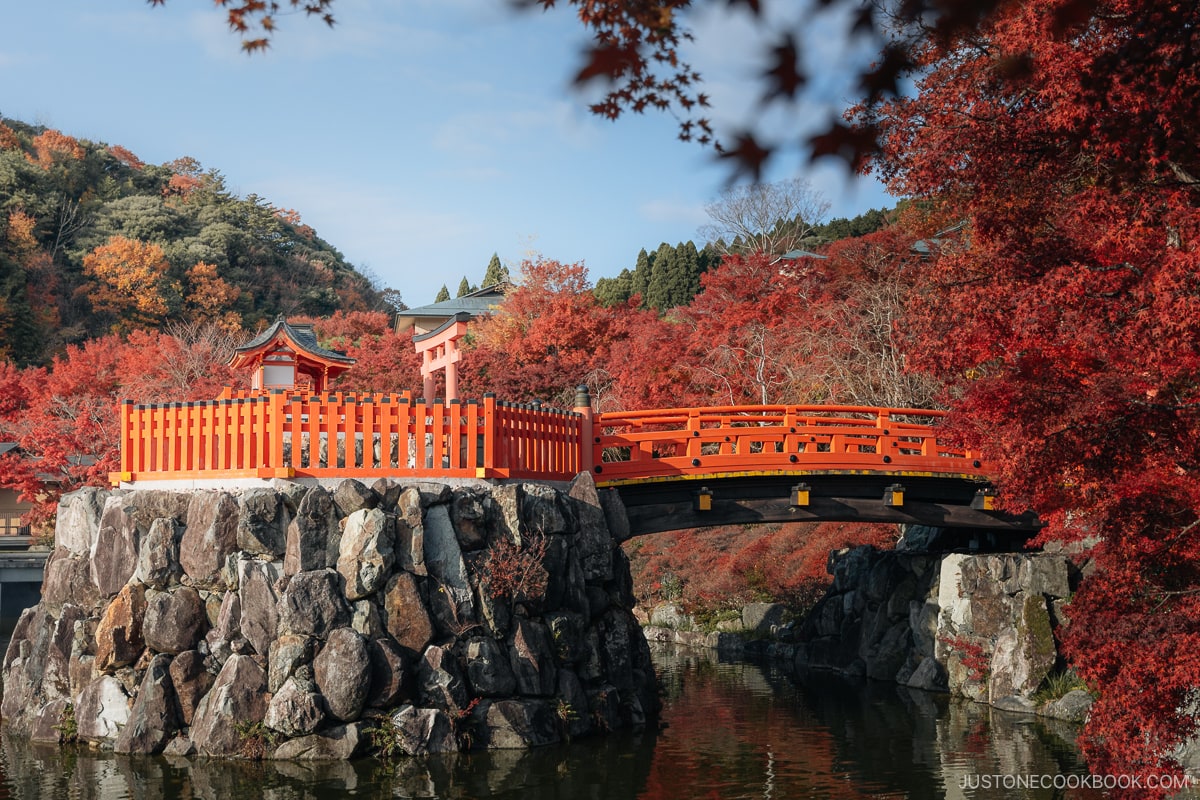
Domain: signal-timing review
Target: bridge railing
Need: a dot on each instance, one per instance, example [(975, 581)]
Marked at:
[(362, 435), (730, 439)]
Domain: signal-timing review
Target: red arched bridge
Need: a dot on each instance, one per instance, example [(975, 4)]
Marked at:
[(673, 468)]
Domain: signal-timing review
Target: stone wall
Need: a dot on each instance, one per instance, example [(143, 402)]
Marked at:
[(976, 625), (314, 623)]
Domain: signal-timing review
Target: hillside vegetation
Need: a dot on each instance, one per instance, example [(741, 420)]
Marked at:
[(93, 240)]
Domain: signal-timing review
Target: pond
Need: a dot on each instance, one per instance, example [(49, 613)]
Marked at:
[(728, 730)]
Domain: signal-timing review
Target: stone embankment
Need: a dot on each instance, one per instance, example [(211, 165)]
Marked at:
[(979, 626), (304, 622)]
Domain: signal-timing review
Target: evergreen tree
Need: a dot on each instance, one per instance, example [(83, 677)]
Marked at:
[(496, 272), (665, 275), (614, 291), (641, 275), (464, 287), (442, 295)]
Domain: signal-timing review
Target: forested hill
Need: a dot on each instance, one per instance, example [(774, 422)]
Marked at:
[(94, 240)]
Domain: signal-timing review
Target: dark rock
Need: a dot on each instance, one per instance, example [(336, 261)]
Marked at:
[(343, 673), (351, 495), (389, 671), (440, 682), (571, 705), (263, 521), (210, 537), (313, 604), (593, 543), (516, 724), (388, 492), (488, 668), (155, 716), (421, 731), (174, 620), (404, 613), (237, 698), (191, 682), (313, 534), (566, 631), (543, 511), (472, 512), (531, 655)]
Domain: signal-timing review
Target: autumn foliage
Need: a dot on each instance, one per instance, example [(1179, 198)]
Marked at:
[(1066, 318)]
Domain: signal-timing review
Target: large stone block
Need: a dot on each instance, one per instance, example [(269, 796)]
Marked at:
[(155, 716), (119, 634), (78, 522), (343, 673), (313, 534), (263, 521), (259, 602), (175, 621), (367, 552), (405, 615), (313, 605), (238, 697), (210, 537)]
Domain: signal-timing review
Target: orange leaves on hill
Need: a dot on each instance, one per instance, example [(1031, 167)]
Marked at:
[(210, 297), (130, 281), (53, 146), (8, 138)]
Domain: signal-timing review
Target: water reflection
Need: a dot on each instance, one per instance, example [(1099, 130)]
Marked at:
[(730, 731)]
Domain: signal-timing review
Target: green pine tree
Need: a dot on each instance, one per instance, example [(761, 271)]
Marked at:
[(464, 287), (496, 272), (641, 275), (614, 291), (443, 295)]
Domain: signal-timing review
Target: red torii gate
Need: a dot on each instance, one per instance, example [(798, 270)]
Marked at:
[(439, 351)]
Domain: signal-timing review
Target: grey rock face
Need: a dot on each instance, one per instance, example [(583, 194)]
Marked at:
[(343, 673), (102, 710), (313, 604), (155, 716), (209, 538), (313, 534), (294, 710), (367, 552), (421, 731), (191, 681), (259, 620), (237, 698), (175, 621), (158, 555), (337, 744), (262, 523)]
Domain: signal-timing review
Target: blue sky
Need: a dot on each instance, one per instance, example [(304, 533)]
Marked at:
[(417, 137)]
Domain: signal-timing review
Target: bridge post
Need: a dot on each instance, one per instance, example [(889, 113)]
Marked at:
[(587, 433)]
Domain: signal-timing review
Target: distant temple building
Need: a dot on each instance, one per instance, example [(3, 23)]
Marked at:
[(436, 329), (287, 356)]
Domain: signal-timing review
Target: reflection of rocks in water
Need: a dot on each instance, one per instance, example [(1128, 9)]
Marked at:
[(974, 739)]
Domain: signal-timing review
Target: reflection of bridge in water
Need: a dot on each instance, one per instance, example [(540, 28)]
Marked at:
[(673, 468)]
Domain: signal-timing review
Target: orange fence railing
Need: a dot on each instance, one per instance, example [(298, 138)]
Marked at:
[(285, 434), (290, 434), (703, 441)]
